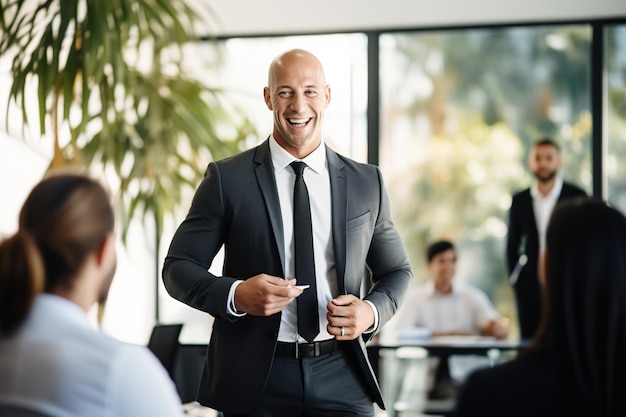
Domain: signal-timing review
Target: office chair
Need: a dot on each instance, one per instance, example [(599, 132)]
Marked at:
[(188, 370), (164, 344)]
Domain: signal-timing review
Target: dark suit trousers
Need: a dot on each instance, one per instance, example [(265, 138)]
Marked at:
[(328, 385)]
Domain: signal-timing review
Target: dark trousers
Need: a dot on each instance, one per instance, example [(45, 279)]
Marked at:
[(328, 385), (528, 310)]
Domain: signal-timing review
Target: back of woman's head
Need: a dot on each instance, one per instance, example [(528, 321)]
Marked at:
[(63, 220), (585, 268)]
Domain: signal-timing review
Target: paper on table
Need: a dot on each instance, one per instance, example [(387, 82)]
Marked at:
[(414, 334)]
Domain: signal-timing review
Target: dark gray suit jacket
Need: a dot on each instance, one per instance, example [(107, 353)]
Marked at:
[(237, 206)]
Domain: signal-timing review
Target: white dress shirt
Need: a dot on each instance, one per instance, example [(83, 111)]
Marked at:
[(466, 309), (58, 365), (318, 185), (543, 207)]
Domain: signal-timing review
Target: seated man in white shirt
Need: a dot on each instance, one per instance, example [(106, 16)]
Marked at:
[(442, 307), (448, 308)]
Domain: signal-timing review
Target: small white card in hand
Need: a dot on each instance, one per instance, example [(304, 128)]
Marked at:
[(301, 287)]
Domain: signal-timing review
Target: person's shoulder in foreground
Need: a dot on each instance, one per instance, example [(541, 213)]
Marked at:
[(524, 387), (577, 365), (59, 263)]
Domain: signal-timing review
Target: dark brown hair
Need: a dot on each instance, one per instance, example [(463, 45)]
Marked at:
[(584, 319), (64, 219), (438, 247), (546, 141)]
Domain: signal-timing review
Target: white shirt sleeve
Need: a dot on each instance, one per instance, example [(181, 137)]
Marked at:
[(230, 308), (375, 325), (485, 311), (140, 386)]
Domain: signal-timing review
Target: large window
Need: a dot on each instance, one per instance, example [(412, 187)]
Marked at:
[(460, 109)]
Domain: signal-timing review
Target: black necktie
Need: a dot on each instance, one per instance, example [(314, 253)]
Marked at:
[(308, 317)]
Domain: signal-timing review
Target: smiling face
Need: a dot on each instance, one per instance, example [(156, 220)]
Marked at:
[(442, 269), (297, 94)]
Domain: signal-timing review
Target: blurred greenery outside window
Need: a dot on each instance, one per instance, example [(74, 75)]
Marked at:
[(459, 110), (615, 115)]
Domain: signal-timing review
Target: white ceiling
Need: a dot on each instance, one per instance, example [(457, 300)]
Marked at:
[(254, 17)]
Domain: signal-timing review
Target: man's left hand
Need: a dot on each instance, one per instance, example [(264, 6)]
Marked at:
[(348, 317)]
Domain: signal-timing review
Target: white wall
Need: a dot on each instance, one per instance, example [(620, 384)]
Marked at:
[(241, 17)]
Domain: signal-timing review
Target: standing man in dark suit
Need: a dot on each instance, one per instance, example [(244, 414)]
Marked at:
[(257, 362), (528, 219)]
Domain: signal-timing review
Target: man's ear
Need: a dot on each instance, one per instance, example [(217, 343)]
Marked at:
[(268, 98), (327, 96), (106, 246)]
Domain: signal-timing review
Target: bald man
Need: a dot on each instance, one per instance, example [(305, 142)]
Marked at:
[(258, 361)]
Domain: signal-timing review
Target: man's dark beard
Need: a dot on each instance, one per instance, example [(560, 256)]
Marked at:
[(546, 178)]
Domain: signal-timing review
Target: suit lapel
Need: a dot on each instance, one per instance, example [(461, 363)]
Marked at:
[(339, 203), (264, 172)]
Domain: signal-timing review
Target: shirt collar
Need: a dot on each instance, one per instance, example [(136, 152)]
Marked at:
[(316, 160), (60, 309), (554, 192)]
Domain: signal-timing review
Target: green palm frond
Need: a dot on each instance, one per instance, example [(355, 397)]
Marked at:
[(111, 90)]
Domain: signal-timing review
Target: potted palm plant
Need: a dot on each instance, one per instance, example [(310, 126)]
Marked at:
[(107, 80)]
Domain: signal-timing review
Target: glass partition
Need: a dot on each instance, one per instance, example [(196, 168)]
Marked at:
[(615, 115), (459, 111)]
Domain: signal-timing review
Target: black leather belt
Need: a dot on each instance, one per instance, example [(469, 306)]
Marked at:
[(306, 350)]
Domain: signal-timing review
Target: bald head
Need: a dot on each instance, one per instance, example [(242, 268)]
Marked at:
[(294, 58)]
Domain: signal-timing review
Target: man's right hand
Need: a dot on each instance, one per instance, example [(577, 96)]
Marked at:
[(264, 295), (498, 328)]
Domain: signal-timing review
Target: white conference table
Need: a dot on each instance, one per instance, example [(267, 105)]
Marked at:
[(444, 346), (452, 345), (404, 366)]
